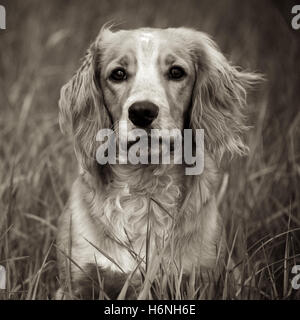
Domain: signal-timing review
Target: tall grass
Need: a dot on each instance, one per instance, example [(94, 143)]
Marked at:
[(40, 50)]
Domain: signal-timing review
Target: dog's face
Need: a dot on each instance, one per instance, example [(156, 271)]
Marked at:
[(147, 78), (156, 78)]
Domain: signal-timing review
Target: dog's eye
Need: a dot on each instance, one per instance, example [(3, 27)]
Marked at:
[(118, 75), (176, 73)]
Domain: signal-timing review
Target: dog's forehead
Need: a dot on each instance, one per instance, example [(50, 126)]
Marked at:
[(145, 36), (145, 39), (156, 37), (147, 45)]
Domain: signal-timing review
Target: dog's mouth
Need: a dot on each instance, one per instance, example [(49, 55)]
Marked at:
[(149, 145), (149, 142)]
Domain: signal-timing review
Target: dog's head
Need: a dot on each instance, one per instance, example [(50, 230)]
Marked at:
[(172, 78)]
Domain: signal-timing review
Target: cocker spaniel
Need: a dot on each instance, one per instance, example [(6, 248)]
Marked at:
[(123, 220)]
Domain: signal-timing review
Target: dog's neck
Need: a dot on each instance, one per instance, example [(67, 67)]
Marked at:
[(147, 179), (131, 186), (133, 199), (131, 196)]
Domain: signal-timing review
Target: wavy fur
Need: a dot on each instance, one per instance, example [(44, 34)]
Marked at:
[(111, 208)]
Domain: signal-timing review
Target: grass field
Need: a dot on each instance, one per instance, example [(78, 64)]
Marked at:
[(39, 52)]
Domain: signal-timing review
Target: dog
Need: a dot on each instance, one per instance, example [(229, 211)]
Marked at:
[(120, 218)]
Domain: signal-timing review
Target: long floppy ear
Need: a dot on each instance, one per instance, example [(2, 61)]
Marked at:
[(82, 110), (219, 98)]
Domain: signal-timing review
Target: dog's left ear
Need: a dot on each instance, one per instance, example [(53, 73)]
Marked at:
[(219, 98)]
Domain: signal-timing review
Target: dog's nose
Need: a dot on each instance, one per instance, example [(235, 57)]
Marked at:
[(143, 113)]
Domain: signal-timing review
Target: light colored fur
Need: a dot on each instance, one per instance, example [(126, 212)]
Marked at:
[(112, 207)]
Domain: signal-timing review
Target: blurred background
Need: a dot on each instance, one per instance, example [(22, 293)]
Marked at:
[(41, 49)]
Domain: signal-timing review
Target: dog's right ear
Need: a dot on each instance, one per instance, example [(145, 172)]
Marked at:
[(82, 112)]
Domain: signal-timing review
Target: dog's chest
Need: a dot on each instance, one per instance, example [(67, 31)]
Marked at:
[(139, 207)]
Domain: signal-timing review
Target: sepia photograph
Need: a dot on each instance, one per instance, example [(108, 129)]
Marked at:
[(149, 150)]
